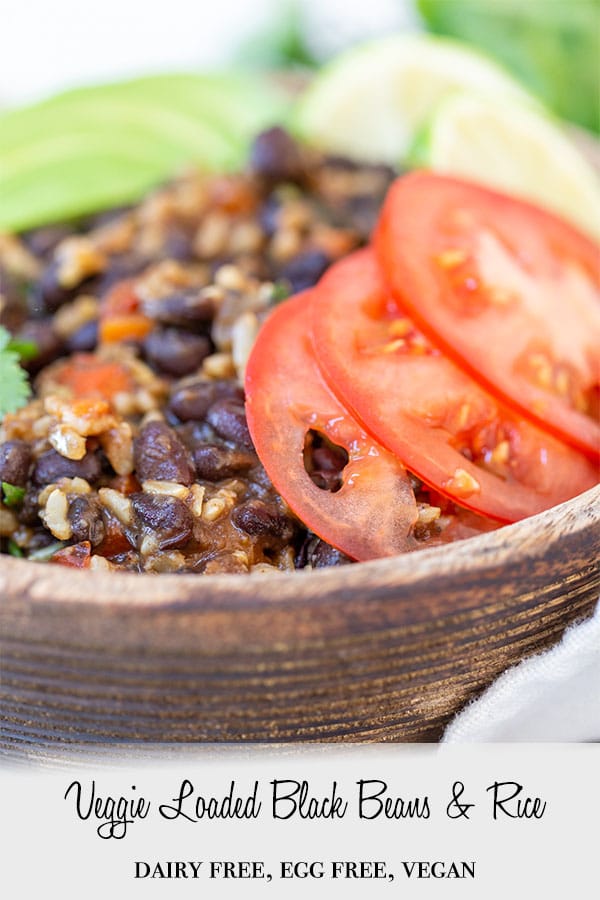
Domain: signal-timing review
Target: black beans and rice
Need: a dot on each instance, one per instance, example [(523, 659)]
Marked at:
[(165, 478)]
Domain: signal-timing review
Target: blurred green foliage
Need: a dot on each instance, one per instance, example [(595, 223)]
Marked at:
[(282, 44), (552, 45)]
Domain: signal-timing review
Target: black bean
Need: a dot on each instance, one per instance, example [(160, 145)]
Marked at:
[(126, 265), (84, 339), (176, 352), (276, 157), (28, 513), (256, 517), (192, 401), (318, 554), (183, 308), (194, 433), (179, 244), (168, 518), (36, 307), (268, 216), (304, 270), (327, 481), (87, 521), (213, 462), (48, 290), (228, 418), (49, 345), (330, 458), (15, 461), (326, 555), (329, 463), (363, 212), (41, 539), (42, 241), (51, 466), (324, 461), (160, 456), (13, 308)]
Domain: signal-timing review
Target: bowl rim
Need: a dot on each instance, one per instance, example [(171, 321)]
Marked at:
[(44, 583)]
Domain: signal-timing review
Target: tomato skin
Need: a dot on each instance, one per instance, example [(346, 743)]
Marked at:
[(373, 513), (487, 277), (426, 410)]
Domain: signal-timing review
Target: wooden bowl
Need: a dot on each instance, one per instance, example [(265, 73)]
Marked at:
[(381, 651)]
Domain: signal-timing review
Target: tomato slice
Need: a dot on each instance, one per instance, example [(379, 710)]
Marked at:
[(373, 513), (511, 292), (442, 425)]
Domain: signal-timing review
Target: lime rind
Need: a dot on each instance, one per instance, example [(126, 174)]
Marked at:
[(519, 150), (371, 101)]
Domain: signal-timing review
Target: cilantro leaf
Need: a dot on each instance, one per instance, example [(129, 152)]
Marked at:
[(13, 495), (14, 549), (281, 291), (24, 348), (14, 386)]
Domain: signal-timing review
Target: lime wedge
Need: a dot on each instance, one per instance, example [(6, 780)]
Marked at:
[(515, 149), (370, 102)]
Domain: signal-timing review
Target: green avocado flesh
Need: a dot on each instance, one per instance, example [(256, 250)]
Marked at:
[(92, 148)]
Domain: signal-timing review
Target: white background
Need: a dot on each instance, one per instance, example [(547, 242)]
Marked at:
[(46, 45)]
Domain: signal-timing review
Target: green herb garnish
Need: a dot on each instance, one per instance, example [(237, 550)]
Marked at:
[(45, 553), (281, 291), (14, 386), (282, 44), (538, 40), (26, 350), (13, 495), (14, 549)]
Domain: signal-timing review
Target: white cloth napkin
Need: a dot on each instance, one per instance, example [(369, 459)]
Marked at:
[(553, 696)]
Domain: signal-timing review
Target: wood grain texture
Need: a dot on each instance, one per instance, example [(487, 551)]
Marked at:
[(382, 651)]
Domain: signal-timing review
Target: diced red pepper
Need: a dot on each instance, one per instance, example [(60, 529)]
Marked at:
[(88, 376), (77, 556)]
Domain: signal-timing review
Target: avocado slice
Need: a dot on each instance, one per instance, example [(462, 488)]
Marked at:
[(91, 148)]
